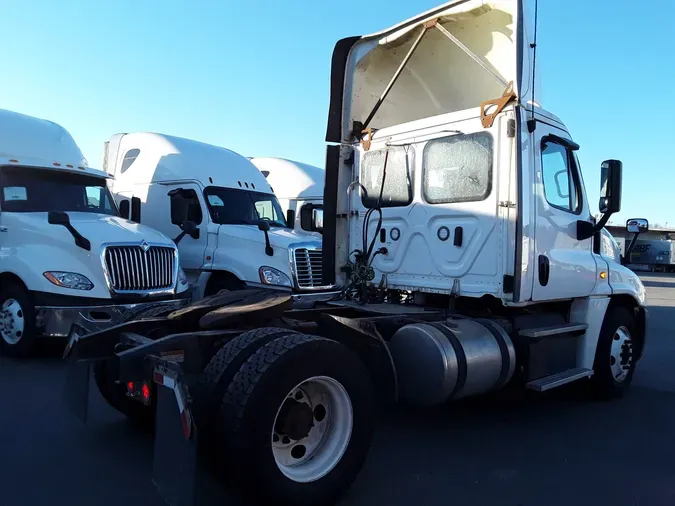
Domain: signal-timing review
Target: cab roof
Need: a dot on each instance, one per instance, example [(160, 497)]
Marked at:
[(148, 157), (291, 179), (28, 141), (448, 59)]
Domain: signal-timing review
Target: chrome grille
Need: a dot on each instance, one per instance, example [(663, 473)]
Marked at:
[(129, 268), (308, 267)]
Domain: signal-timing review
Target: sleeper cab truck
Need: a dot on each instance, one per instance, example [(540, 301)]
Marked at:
[(64, 246), (230, 229), (299, 188)]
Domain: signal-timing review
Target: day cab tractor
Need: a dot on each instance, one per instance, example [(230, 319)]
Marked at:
[(456, 223)]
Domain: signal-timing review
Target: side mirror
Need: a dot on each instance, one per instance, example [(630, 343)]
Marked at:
[(125, 209), (610, 186), (264, 226), (58, 218), (135, 209), (190, 228), (317, 219), (637, 225), (311, 217), (290, 218)]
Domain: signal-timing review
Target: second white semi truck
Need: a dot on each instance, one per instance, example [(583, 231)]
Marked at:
[(230, 229), (456, 223), (299, 188)]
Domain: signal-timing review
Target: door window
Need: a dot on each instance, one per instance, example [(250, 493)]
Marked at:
[(561, 188), (186, 206)]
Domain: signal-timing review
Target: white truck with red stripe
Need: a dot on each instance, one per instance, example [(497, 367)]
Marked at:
[(66, 255)]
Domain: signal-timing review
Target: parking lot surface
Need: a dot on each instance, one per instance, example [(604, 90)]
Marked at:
[(556, 449)]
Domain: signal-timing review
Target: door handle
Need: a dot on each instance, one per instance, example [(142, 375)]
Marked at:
[(3, 229), (544, 270)]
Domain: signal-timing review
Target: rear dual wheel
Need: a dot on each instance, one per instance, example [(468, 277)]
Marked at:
[(297, 421)]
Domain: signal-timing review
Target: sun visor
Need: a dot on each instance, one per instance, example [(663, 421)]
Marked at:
[(451, 58)]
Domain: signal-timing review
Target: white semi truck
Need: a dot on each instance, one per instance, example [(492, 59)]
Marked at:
[(456, 222), (299, 188), (68, 261), (238, 236)]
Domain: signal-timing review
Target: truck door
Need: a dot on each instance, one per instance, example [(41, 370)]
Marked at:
[(188, 205), (564, 266)]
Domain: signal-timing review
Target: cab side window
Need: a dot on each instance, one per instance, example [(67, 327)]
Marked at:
[(185, 204), (559, 177)]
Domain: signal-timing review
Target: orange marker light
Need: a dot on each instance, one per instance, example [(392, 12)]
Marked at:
[(603, 275)]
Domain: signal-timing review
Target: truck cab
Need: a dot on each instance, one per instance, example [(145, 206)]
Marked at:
[(230, 229), (66, 254), (299, 188), (451, 186)]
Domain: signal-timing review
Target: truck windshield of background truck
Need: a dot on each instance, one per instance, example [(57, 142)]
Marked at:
[(27, 190), (229, 206)]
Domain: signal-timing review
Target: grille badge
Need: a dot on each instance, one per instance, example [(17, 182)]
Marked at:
[(145, 247)]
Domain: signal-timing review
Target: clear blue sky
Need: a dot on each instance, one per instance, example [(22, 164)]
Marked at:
[(254, 76)]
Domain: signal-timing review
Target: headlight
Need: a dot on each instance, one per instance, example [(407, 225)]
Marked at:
[(69, 280), (272, 276), (182, 278)]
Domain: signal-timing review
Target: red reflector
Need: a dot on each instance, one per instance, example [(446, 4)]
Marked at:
[(130, 386), (158, 378), (146, 392)]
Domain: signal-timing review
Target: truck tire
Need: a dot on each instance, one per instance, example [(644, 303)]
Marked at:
[(18, 333), (614, 363), (222, 367), (114, 393), (298, 419)]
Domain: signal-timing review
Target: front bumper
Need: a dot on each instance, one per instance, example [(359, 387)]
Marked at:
[(57, 321), (310, 298)]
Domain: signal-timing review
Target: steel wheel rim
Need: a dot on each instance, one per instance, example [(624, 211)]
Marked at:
[(621, 355), (11, 321), (310, 458)]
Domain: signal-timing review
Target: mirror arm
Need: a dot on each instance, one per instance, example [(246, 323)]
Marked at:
[(179, 237), (630, 247), (586, 230), (268, 247)]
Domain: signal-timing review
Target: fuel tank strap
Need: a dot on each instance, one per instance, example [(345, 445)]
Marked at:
[(503, 348), (459, 353)]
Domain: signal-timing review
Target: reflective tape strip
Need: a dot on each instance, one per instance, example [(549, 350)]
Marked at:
[(185, 416)]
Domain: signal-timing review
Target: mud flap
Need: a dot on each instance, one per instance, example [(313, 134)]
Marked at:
[(76, 388), (175, 466)]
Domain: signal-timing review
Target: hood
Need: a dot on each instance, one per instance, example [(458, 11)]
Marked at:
[(99, 229), (279, 237), (461, 53)]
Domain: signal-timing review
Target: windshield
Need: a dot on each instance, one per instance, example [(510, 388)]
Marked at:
[(26, 190), (229, 206)]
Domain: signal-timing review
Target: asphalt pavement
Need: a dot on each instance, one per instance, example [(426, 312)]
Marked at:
[(557, 449)]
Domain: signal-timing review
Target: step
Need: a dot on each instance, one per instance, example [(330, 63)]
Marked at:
[(559, 379), (553, 330)]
